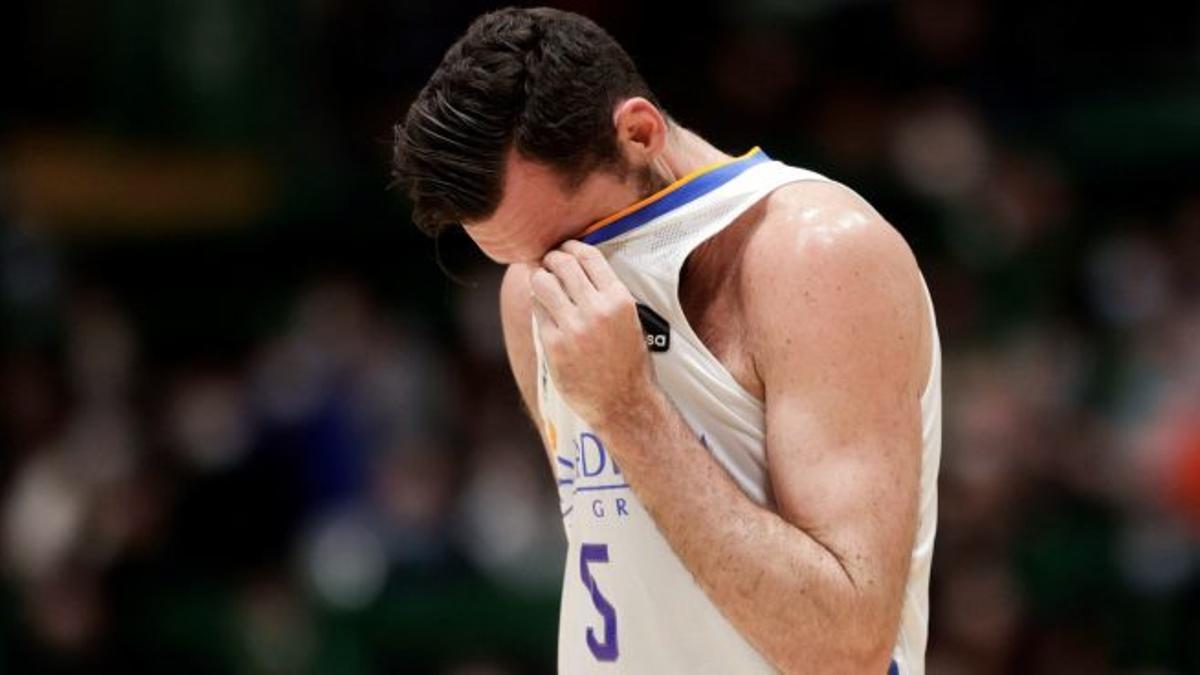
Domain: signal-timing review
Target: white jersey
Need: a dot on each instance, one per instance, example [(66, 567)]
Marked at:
[(628, 603)]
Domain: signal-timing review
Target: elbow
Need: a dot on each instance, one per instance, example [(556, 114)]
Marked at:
[(869, 649), (862, 642), (848, 659), (873, 658), (869, 642), (870, 633)]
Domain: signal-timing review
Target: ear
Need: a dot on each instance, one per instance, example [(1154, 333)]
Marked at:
[(641, 130)]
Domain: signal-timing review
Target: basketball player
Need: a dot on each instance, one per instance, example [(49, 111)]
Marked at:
[(733, 364)]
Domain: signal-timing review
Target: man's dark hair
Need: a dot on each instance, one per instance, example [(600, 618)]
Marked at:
[(541, 81)]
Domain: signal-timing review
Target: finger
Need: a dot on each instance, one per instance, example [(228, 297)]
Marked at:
[(545, 322), (549, 292), (572, 277), (593, 263)]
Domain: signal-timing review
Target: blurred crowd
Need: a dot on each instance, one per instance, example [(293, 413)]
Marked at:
[(282, 436)]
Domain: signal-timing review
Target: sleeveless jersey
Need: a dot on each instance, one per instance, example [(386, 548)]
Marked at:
[(628, 603)]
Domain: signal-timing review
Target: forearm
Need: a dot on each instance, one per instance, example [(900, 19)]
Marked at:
[(785, 591)]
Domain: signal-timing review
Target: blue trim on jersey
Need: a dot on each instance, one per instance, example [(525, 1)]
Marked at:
[(688, 192)]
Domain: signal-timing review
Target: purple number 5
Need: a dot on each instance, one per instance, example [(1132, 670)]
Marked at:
[(605, 650)]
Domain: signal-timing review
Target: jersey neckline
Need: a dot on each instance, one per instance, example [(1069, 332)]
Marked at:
[(687, 189)]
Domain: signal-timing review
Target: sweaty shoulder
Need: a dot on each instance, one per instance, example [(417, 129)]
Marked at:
[(822, 266), (516, 318)]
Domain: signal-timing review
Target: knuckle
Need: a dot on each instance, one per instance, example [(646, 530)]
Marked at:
[(542, 281), (611, 307), (576, 329), (620, 298)]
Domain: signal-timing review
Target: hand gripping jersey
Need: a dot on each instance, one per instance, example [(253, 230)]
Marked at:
[(628, 603)]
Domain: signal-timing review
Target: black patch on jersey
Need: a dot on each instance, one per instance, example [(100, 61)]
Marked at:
[(655, 328)]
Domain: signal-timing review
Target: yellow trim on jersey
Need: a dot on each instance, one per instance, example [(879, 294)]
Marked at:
[(665, 191)]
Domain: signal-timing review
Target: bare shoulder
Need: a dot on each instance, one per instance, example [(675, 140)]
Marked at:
[(826, 227), (516, 319), (822, 267)]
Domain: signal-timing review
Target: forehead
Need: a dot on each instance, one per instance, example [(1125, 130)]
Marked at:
[(528, 181), (536, 195)]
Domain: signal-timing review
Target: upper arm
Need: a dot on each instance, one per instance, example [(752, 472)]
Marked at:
[(516, 314), (840, 340)]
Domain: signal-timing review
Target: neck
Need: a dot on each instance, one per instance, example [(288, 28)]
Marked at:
[(683, 153), (686, 152)]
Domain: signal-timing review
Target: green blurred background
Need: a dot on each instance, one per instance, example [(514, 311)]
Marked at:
[(252, 422)]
